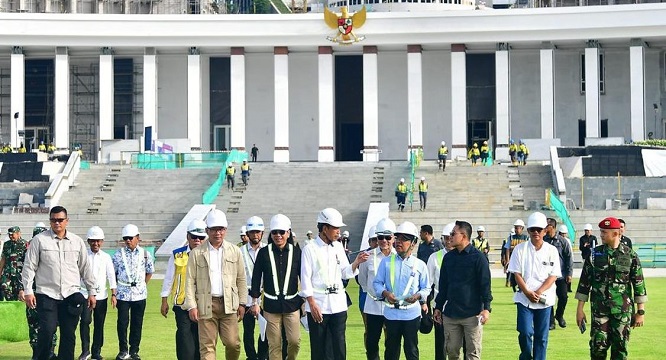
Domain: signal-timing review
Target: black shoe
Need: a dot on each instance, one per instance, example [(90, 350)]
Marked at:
[(561, 322), (135, 356), (552, 326), (85, 355), (123, 355)]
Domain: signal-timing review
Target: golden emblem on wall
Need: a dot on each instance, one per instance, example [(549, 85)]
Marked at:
[(345, 24)]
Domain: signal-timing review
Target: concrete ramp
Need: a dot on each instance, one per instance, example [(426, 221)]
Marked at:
[(177, 238)]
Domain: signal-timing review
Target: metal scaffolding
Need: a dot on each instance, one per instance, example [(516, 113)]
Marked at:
[(5, 104), (84, 108)]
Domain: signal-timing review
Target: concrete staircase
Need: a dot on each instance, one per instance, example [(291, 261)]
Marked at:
[(300, 191)]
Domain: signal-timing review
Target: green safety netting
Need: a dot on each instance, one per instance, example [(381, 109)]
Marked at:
[(415, 157), (211, 193), (554, 202), (489, 159), (85, 165), (156, 161)]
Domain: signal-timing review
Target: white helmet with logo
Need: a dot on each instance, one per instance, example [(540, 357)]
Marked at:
[(331, 217), (255, 223), (385, 226)]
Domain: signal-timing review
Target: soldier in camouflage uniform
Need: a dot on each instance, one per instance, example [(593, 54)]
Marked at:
[(610, 276), (11, 265)]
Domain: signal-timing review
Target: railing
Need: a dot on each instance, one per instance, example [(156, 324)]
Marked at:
[(157, 161), (652, 255), (213, 190), (63, 181), (557, 175)]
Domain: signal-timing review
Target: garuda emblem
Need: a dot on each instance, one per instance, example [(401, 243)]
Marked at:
[(345, 25)]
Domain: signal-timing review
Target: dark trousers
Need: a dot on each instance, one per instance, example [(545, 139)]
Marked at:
[(397, 330), (53, 313), (130, 313), (440, 346), (561, 288), (261, 353), (374, 331), (187, 335), (330, 330), (99, 315)]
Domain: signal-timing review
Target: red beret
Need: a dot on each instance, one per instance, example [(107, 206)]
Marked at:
[(609, 223)]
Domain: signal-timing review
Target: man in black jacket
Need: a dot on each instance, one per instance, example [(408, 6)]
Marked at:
[(563, 247), (279, 266)]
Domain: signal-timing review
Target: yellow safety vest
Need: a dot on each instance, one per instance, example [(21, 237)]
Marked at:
[(484, 148), (231, 171), (480, 243), (443, 150), (513, 148), (423, 187), (523, 149), (402, 188), (178, 285), (245, 167)]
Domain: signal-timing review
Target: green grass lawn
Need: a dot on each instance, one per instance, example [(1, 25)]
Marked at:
[(499, 340)]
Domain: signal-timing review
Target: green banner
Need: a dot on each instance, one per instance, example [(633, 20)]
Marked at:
[(558, 206)]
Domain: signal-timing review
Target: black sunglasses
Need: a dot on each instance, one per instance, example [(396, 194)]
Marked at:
[(195, 237), (384, 237), (128, 238), (535, 229), (57, 220), (275, 232)]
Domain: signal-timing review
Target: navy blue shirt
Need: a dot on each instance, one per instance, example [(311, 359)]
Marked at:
[(464, 281), (426, 249)]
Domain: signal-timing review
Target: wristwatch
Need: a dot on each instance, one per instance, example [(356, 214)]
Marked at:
[(640, 312)]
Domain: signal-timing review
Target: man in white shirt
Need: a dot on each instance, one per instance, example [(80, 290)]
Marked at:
[(187, 331), (254, 233), (324, 264), (103, 272), (434, 266), (374, 307), (535, 265)]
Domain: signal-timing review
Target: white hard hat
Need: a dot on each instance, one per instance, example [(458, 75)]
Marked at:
[(255, 223), (130, 230), (309, 232), (422, 178), (280, 222), (345, 233), (293, 234), (443, 143), (519, 223), (331, 217), (587, 227), (448, 228), (513, 231), (197, 227), (480, 228), (408, 228), (216, 218), (372, 232), (243, 230), (385, 226), (95, 233), (537, 220), (563, 229), (42, 225), (402, 179)]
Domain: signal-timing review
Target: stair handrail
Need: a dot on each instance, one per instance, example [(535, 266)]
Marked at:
[(63, 181), (557, 175), (235, 156)]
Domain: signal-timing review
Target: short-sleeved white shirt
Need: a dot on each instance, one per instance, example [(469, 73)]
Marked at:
[(535, 267)]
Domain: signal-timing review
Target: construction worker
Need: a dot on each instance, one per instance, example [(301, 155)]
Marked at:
[(22, 149), (309, 239), (243, 236), (516, 238), (324, 265), (41, 147), (250, 251), (423, 193), (51, 148), (587, 242), (523, 152), (474, 154), (187, 331), (480, 242), (230, 172), (484, 152), (442, 153), (513, 152), (562, 283), (401, 194), (245, 172)]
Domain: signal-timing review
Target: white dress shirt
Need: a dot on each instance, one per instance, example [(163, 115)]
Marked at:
[(215, 270), (324, 266), (434, 266), (366, 275), (535, 267), (249, 255), (103, 271)]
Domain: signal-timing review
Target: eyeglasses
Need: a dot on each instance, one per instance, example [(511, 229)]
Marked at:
[(404, 237), (195, 237), (453, 233), (220, 229), (276, 232), (384, 237), (128, 238), (535, 229), (57, 220)]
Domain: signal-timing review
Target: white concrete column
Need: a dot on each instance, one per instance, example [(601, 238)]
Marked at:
[(17, 102), (458, 102), (637, 88), (281, 66), (502, 101), (194, 98), (415, 96), (61, 98), (47, 6), (238, 98), (326, 107), (547, 87), (106, 96), (72, 6), (592, 117), (150, 91), (370, 105)]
